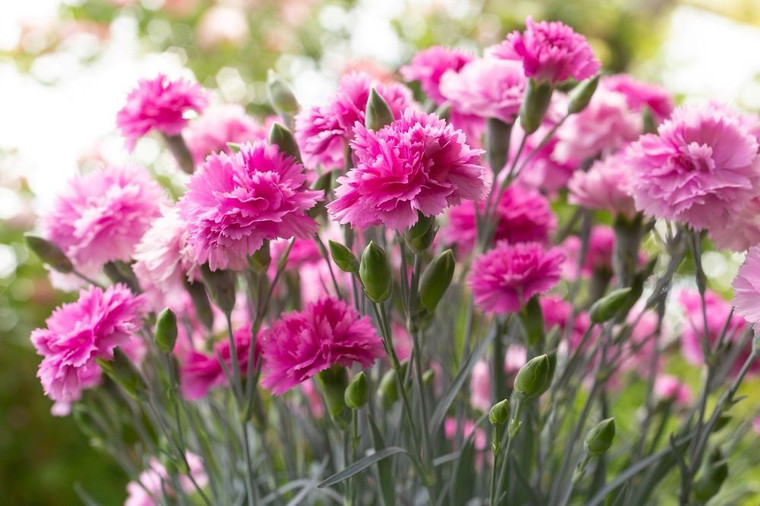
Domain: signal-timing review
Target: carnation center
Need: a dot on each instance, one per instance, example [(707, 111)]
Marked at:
[(696, 157)]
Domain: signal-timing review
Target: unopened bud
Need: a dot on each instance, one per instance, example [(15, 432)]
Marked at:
[(379, 113), (436, 278), (498, 134), (280, 136), (534, 377), (499, 413), (123, 372), (343, 257), (599, 439), (260, 260), (608, 306), (581, 95), (357, 392), (421, 235), (533, 320), (535, 103), (387, 391), (714, 474), (650, 125), (281, 96), (220, 285), (333, 383), (375, 273), (49, 253), (200, 302), (166, 330)]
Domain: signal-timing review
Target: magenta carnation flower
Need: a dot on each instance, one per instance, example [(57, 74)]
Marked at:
[(326, 333), (701, 169), (235, 203), (549, 51), (524, 215), (429, 65), (486, 87), (101, 216), (747, 287), (159, 104), (219, 125), (606, 186), (418, 163), (639, 95), (81, 332), (324, 131), (506, 277)]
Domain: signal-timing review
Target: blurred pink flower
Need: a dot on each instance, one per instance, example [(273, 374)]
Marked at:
[(598, 257), (743, 230), (429, 65), (606, 186), (671, 388), (219, 125), (221, 25), (639, 94), (324, 334), (418, 163), (747, 287), (451, 427), (79, 333), (154, 483), (558, 313), (480, 386)]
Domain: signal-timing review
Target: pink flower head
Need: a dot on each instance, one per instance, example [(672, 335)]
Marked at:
[(154, 483), (101, 216), (743, 230), (639, 95), (598, 257), (418, 163), (558, 313), (451, 428), (671, 388), (506, 277), (79, 333), (486, 87), (235, 203), (429, 65), (219, 125), (524, 215), (606, 186), (324, 131), (701, 168), (550, 51), (480, 386), (159, 104), (326, 333), (747, 287)]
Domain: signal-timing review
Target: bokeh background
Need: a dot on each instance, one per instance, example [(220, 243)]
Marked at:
[(66, 66)]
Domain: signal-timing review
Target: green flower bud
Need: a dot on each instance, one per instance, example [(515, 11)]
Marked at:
[(166, 330), (650, 125), (261, 259), (499, 413), (436, 278), (343, 257), (178, 148), (534, 105), (220, 285), (333, 383), (378, 113), (123, 372), (552, 367), (387, 391), (534, 377), (714, 474), (281, 137), (498, 134), (200, 303), (49, 253), (533, 320), (421, 235), (581, 95), (428, 377), (281, 96), (608, 306), (375, 273), (599, 439), (357, 392)]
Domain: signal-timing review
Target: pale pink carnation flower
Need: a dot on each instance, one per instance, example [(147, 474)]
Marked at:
[(429, 65), (159, 104), (606, 186), (747, 287), (641, 344), (506, 277), (671, 388), (219, 125), (101, 216), (700, 169), (418, 163), (304, 343), (550, 51), (235, 203), (486, 87), (79, 333), (516, 357), (154, 483), (640, 94), (742, 230), (452, 429), (324, 131), (523, 214), (480, 386)]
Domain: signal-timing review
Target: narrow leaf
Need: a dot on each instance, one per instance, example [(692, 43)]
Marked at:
[(361, 465)]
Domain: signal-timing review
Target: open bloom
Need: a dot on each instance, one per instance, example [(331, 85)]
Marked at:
[(429, 65), (605, 186), (639, 94), (219, 125), (670, 388), (550, 51), (154, 483), (159, 104), (81, 332), (743, 230), (326, 333), (235, 203), (418, 163), (701, 168), (506, 277), (101, 216), (747, 287)]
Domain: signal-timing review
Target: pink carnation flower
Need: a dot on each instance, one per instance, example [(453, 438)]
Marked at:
[(671, 388), (235, 203), (743, 230), (606, 186), (486, 87), (81, 332), (154, 483), (219, 125), (480, 386), (324, 131), (523, 215), (506, 277), (701, 169), (747, 287), (639, 95), (159, 104), (550, 51), (598, 257), (558, 313), (429, 65), (326, 333), (101, 216), (418, 163)]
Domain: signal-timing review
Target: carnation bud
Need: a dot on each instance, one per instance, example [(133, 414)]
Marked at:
[(166, 330), (499, 413), (552, 367), (178, 148), (281, 96), (220, 285), (581, 95), (534, 105), (534, 377), (378, 113), (261, 258), (333, 383), (343, 257), (422, 233), (199, 299), (650, 125), (714, 474), (599, 439), (49, 253), (387, 391), (123, 372), (608, 306), (121, 272), (497, 143), (357, 392), (533, 320), (436, 278), (375, 273), (281, 137)]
